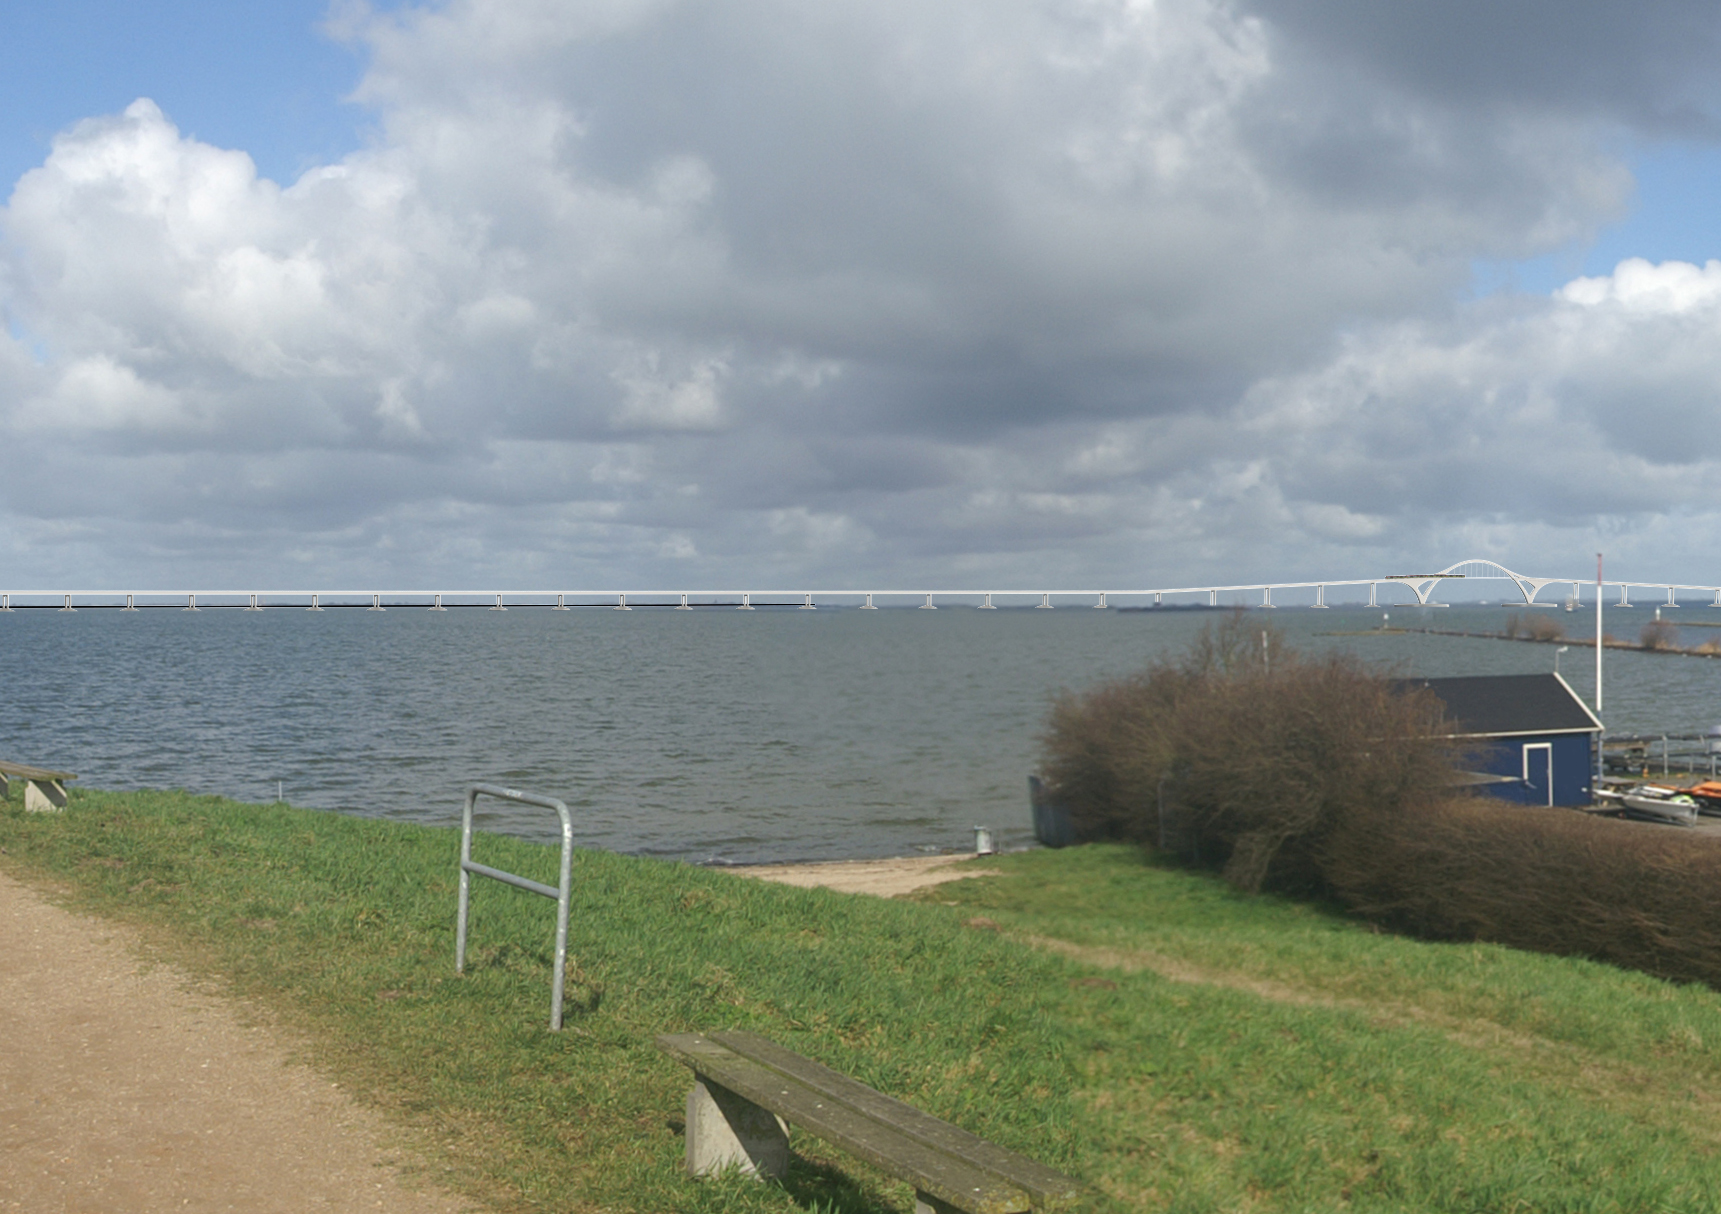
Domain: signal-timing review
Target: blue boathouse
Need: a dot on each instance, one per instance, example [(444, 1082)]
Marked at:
[(1531, 730)]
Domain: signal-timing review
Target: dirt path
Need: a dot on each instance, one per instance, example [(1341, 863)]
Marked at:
[(125, 1091)]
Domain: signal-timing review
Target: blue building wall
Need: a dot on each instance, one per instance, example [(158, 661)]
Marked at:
[(1573, 768)]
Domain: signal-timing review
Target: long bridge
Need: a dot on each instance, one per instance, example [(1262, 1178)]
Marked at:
[(1420, 587)]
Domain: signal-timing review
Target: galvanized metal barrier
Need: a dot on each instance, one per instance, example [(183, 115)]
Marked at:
[(468, 866)]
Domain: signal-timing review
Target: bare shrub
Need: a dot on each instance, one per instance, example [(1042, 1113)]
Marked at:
[(1319, 775), (1658, 634), (1711, 646), (1536, 878), (1105, 747), (1544, 628), (1257, 750), (1513, 626)]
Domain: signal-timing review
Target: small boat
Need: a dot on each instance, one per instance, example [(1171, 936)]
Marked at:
[(1707, 795), (1658, 803)]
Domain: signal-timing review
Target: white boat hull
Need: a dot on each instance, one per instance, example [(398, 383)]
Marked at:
[(1679, 811)]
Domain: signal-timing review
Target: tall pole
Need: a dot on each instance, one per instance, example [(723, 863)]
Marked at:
[(1600, 765), (1598, 634)]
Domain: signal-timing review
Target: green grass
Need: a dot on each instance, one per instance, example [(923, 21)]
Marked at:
[(1294, 1061)]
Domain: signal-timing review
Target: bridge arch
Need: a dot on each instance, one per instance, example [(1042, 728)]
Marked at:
[(1423, 586)]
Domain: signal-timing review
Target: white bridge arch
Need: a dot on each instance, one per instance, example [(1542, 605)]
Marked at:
[(1476, 567)]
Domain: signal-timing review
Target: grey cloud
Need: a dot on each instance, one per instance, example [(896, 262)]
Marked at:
[(1649, 67), (670, 291)]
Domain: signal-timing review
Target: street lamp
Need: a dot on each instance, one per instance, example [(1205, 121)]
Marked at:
[(1557, 654)]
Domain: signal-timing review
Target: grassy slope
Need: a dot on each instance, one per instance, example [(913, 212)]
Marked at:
[(1295, 1061)]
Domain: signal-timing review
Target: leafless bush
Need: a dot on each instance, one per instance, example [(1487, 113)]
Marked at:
[(1105, 750), (1535, 627), (1320, 775), (1536, 878), (1658, 634), (1544, 628), (1256, 750)]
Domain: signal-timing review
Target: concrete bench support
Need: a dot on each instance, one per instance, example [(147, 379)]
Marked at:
[(727, 1131), (44, 791), (748, 1090), (44, 796)]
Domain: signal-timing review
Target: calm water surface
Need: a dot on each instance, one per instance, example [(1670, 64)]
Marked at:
[(710, 735)]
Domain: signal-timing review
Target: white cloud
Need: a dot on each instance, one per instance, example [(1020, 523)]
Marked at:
[(1638, 286), (656, 401), (97, 394), (1054, 286)]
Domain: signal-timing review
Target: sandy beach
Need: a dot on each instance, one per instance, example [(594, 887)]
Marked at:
[(881, 878)]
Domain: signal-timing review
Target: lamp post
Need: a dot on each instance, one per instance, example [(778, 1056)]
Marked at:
[(1557, 654)]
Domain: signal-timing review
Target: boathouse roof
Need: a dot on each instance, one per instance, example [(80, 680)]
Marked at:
[(1503, 705)]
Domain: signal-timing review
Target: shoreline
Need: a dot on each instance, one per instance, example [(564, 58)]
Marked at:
[(1608, 642)]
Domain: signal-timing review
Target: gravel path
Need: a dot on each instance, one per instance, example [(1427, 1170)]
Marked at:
[(123, 1090)]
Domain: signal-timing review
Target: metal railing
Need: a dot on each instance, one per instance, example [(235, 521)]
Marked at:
[(468, 866)]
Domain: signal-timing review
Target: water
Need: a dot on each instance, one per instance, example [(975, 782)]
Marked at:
[(709, 736)]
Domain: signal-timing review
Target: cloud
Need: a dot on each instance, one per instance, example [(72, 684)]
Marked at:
[(1041, 289), (1563, 56), (1563, 413)]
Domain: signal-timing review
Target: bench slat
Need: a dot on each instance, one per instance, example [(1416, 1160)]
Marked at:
[(1046, 1185), (921, 1164), (25, 772)]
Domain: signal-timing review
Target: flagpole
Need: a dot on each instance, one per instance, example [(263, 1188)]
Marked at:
[(1599, 762), (1598, 633)]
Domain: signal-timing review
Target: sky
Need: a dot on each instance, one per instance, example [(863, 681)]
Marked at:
[(747, 293)]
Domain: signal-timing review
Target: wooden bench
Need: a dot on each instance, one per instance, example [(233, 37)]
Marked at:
[(747, 1090), (44, 791)]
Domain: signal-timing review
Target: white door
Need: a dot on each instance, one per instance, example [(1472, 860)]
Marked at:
[(1539, 771)]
